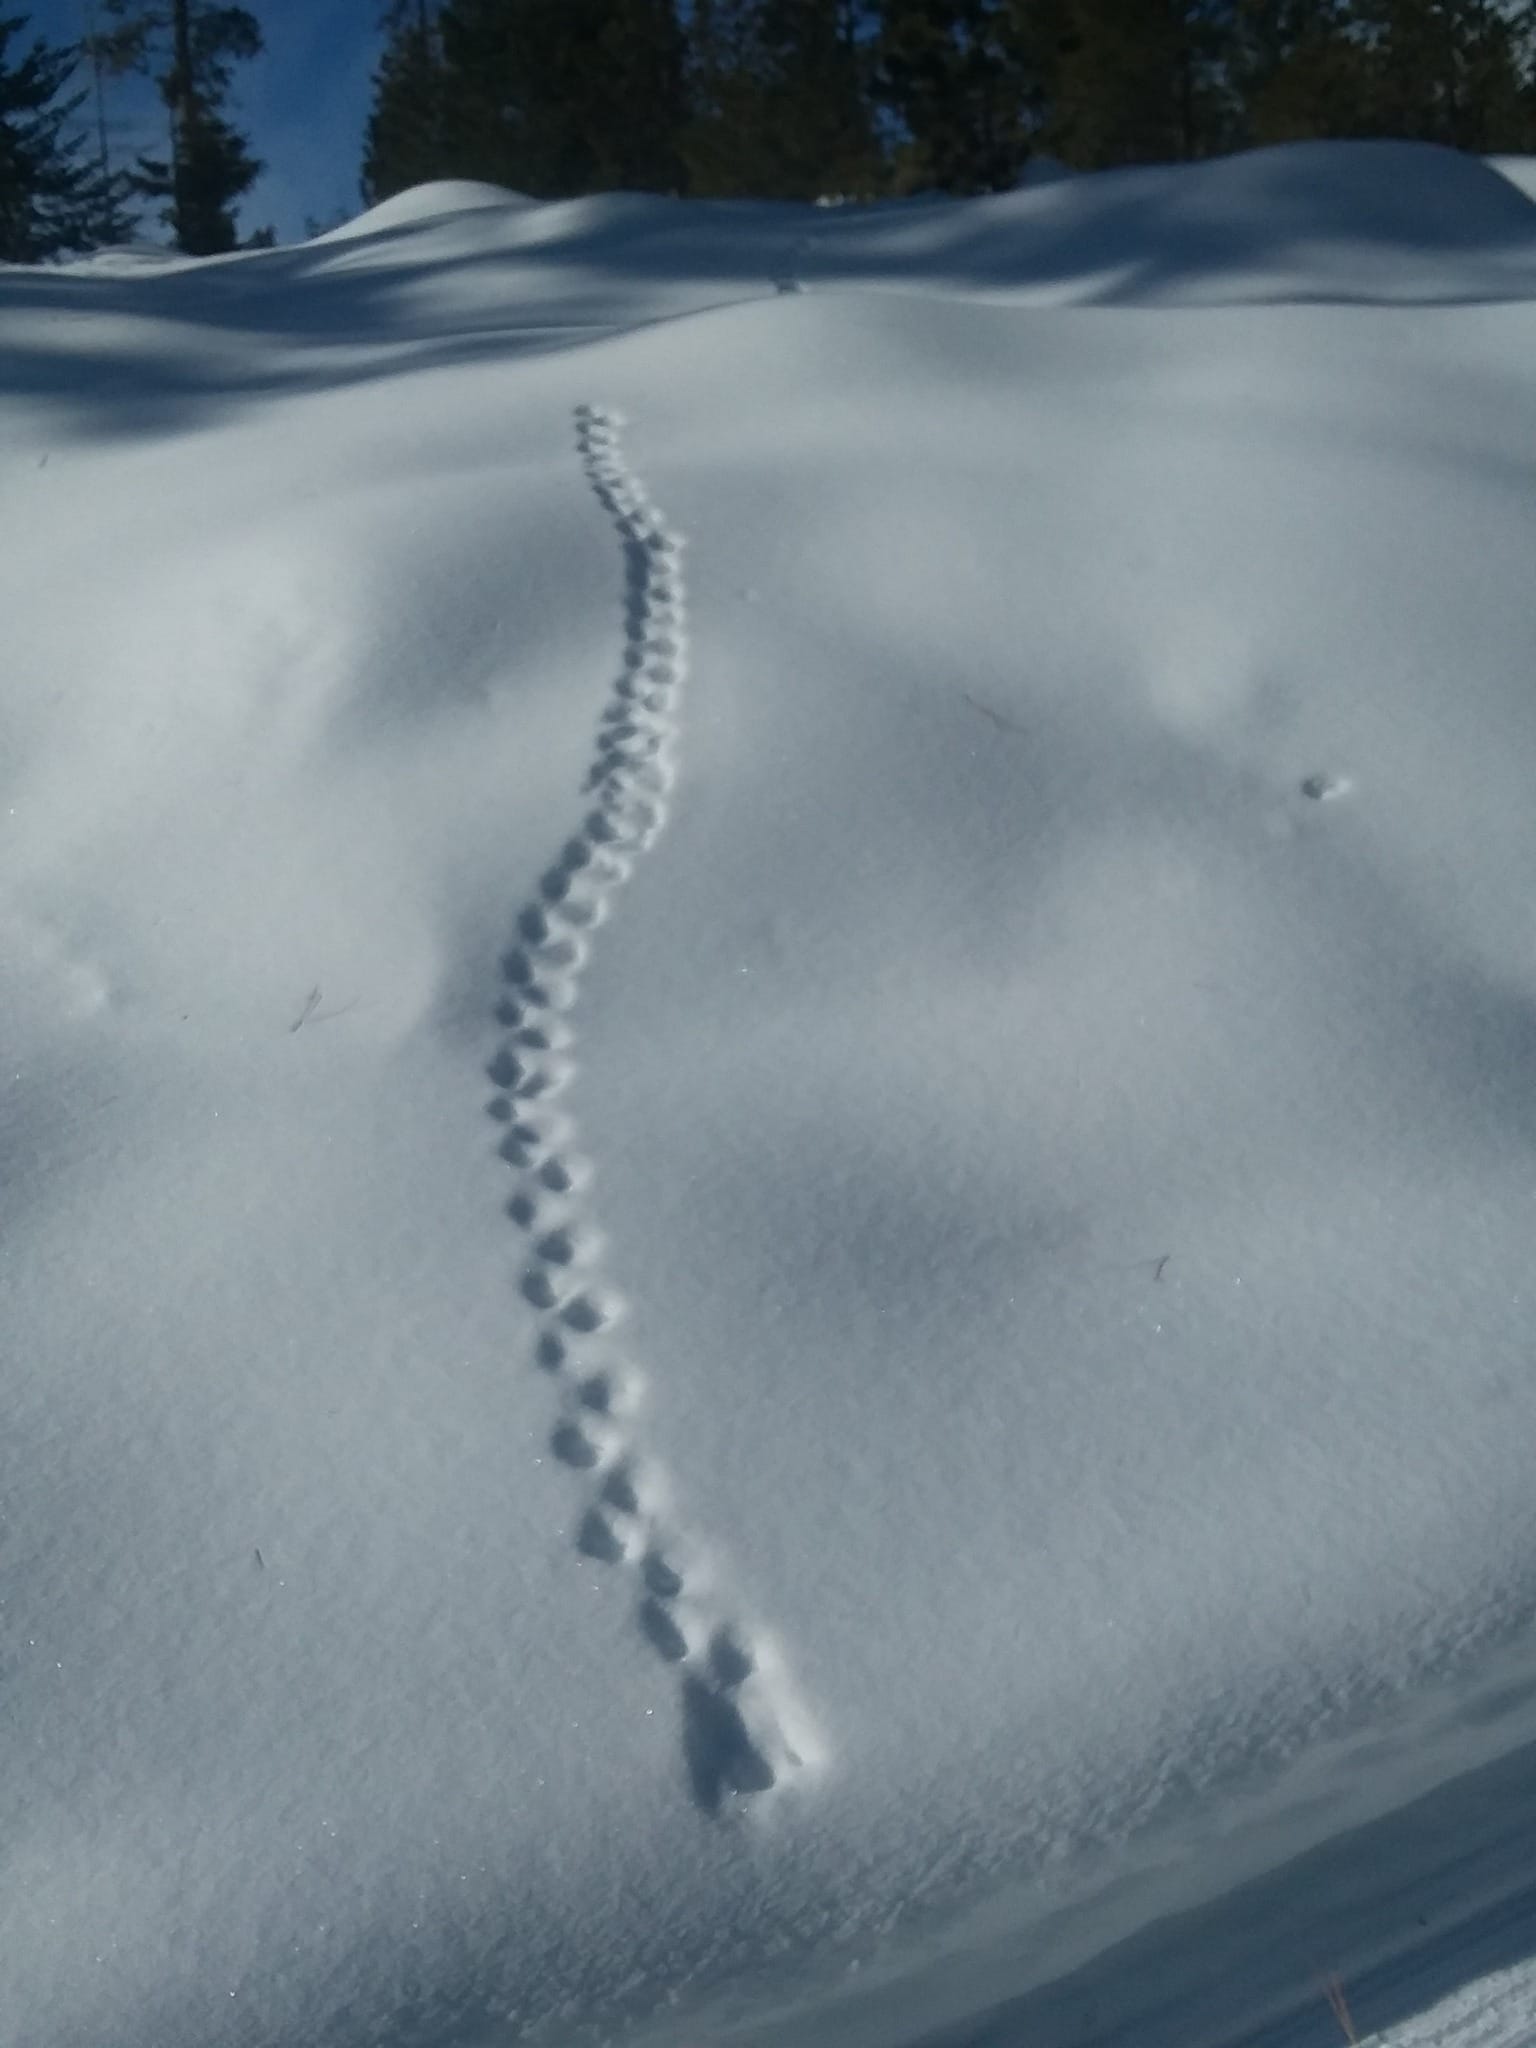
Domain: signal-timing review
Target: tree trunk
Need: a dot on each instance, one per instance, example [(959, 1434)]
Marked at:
[(180, 97), (99, 88)]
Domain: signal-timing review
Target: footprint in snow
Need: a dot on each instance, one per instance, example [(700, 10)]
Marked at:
[(742, 1733)]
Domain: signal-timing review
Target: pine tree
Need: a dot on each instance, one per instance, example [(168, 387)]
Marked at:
[(957, 76), (1447, 71), (639, 103), (722, 144), (52, 198), (555, 97), (406, 142), (1142, 81), (1457, 72), (1499, 79), (189, 47), (1299, 70), (780, 107)]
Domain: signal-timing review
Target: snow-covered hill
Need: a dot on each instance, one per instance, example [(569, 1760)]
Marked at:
[(770, 1120)]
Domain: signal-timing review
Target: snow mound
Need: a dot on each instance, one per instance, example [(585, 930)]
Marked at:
[(1043, 170), (127, 258), (1363, 222), (768, 1141), (1520, 171), (1343, 222), (423, 204)]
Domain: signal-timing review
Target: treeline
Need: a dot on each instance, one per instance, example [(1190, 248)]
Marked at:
[(59, 190), (800, 98), (763, 98)]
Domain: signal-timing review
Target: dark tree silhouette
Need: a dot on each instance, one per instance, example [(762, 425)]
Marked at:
[(556, 97), (956, 76), (189, 47), (406, 142), (53, 198)]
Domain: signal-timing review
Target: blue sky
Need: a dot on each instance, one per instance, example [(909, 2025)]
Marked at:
[(303, 105)]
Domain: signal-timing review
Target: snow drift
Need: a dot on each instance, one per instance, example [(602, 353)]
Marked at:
[(777, 1354)]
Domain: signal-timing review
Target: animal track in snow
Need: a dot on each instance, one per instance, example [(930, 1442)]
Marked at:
[(743, 1732)]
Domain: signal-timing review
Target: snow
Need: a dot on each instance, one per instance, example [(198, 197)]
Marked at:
[(1044, 169), (768, 1116), (1520, 170), (427, 203)]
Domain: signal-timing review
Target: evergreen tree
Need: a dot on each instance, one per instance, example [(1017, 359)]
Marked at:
[(52, 198), (793, 98), (189, 47), (1141, 81), (724, 150), (1446, 71), (637, 98), (1300, 70), (555, 97), (778, 99), (1457, 72), (406, 142), (958, 78)]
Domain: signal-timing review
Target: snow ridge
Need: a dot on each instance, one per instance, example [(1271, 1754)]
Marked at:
[(742, 1731)]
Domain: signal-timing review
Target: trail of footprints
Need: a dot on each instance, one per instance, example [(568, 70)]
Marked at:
[(742, 1732)]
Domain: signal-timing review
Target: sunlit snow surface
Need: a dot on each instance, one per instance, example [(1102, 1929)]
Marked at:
[(769, 1105)]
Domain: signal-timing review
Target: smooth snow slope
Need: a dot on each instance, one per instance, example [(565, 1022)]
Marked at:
[(777, 1356), (1520, 171)]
